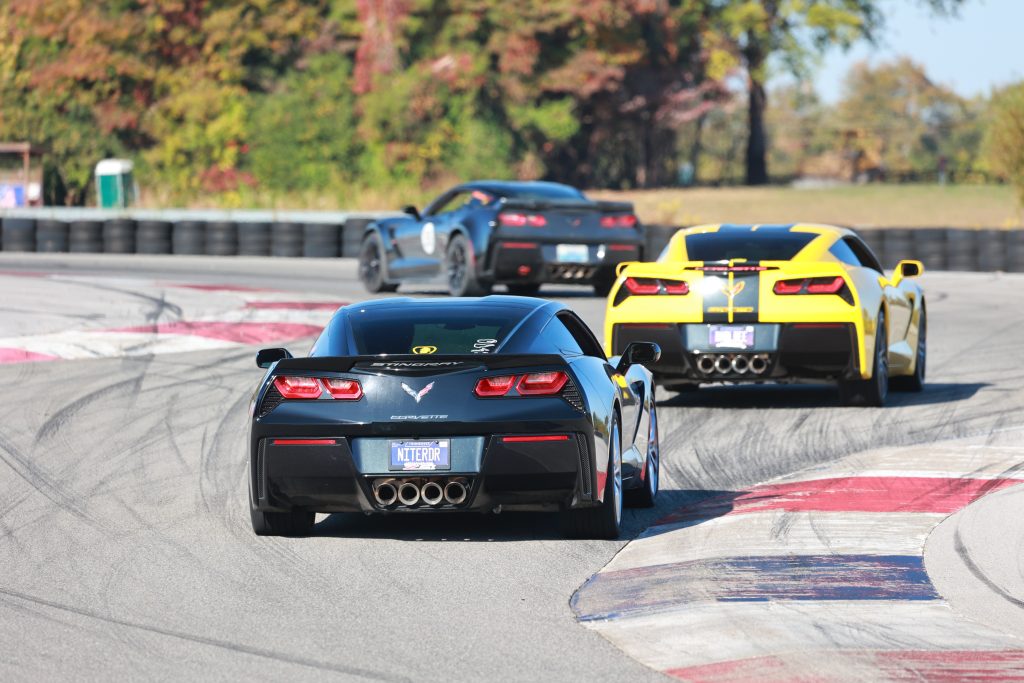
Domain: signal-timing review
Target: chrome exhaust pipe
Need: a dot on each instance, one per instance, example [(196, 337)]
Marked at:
[(706, 363), (384, 492), (740, 364), (759, 364), (432, 493), (455, 492), (723, 364), (408, 494)]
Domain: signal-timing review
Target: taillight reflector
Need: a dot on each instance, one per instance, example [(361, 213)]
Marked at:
[(531, 439), (298, 387), (490, 387), (519, 245), (824, 286), (622, 247), (304, 442), (344, 389), (673, 287), (817, 285), (788, 286), (542, 383)]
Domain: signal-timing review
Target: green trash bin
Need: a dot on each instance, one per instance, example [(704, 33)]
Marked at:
[(115, 186)]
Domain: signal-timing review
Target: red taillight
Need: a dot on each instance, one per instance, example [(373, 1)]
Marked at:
[(518, 245), (647, 286), (788, 286), (298, 387), (518, 220), (490, 387), (817, 285), (542, 383), (824, 285), (621, 221), (621, 247), (532, 439), (638, 285), (344, 389)]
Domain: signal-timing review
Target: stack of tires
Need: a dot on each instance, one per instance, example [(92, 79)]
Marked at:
[(1015, 251), (119, 236), (153, 237), (286, 239), (254, 239), (18, 234), (188, 238), (961, 249), (51, 236), (930, 248)]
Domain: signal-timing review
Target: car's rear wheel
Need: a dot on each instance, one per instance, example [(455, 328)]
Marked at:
[(605, 520), (874, 390), (524, 289), (915, 382), (644, 497), (462, 280), (371, 265), (295, 523)]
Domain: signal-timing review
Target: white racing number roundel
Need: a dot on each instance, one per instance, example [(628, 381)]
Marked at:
[(428, 238)]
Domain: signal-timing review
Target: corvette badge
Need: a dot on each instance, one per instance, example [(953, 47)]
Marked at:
[(418, 395)]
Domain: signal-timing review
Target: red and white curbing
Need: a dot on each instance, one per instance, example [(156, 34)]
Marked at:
[(818, 576), (222, 316)]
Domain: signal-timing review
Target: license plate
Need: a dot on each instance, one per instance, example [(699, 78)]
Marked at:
[(572, 253), (731, 337), (421, 455)]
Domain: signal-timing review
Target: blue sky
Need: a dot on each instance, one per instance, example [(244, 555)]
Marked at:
[(981, 47)]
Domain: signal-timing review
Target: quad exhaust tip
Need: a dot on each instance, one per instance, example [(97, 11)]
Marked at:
[(384, 492), (455, 492), (432, 493), (738, 364), (408, 494)]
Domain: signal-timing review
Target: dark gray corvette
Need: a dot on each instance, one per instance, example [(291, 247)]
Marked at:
[(521, 234), (421, 406)]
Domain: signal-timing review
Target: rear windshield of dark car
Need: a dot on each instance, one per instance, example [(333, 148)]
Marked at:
[(433, 329), (752, 245)]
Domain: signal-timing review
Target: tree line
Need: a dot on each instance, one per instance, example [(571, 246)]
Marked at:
[(232, 98)]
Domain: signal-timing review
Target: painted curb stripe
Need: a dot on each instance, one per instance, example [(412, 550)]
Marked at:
[(23, 356), (850, 494), (296, 305), (237, 332), (648, 590)]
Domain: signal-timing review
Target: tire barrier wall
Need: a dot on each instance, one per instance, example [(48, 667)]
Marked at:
[(938, 248), (329, 235)]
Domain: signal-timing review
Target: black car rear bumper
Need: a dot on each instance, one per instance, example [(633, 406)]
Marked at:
[(525, 262), (322, 471), (789, 351)]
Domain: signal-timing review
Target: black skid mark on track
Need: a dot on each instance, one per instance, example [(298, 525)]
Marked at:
[(965, 557), (214, 487), (55, 422), (237, 648), (43, 483), (160, 303)]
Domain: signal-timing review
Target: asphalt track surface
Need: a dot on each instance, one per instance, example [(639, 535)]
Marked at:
[(126, 549)]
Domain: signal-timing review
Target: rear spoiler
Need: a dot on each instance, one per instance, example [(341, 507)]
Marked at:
[(413, 362), (569, 204)]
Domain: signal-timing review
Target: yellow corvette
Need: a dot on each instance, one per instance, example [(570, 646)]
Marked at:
[(778, 303)]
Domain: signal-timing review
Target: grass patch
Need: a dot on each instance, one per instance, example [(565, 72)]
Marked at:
[(863, 206)]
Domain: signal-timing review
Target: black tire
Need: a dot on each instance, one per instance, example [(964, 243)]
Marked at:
[(647, 494), (524, 289), (915, 382), (153, 237), (286, 239), (18, 234), (85, 237), (321, 240), (873, 391), (119, 236), (221, 238), (605, 520), (188, 237), (460, 270), (253, 239), (371, 265), (51, 236), (294, 523)]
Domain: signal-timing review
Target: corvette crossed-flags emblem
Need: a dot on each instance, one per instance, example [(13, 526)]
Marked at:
[(418, 395)]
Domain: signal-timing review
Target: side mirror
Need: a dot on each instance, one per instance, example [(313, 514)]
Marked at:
[(267, 357), (412, 211), (639, 353), (905, 269)]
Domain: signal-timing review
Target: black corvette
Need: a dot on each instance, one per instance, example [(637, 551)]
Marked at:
[(520, 234), (421, 406)]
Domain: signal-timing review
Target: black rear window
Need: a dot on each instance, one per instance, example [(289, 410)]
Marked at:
[(752, 245), (427, 329)]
